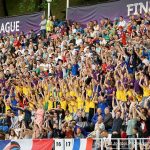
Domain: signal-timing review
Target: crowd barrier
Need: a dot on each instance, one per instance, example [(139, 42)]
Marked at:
[(76, 144)]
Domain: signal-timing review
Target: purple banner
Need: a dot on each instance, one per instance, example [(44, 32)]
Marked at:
[(21, 23), (108, 10)]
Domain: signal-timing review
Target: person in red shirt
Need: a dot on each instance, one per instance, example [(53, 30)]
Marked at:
[(16, 43), (122, 35), (69, 132), (104, 67)]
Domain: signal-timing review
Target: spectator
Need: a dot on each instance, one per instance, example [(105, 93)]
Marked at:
[(95, 117), (108, 120), (2, 105), (43, 27), (12, 135), (117, 124), (121, 22), (131, 123), (49, 25), (79, 134)]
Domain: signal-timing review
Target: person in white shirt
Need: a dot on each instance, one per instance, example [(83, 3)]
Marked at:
[(145, 61), (88, 53), (43, 27), (74, 30), (14, 121), (102, 41), (99, 127), (99, 124), (79, 41), (121, 22)]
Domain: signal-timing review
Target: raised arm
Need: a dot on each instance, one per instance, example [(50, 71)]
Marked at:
[(140, 82), (140, 114)]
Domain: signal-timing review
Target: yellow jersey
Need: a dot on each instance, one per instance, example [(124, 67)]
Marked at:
[(63, 104), (146, 91), (87, 106), (80, 103), (89, 92)]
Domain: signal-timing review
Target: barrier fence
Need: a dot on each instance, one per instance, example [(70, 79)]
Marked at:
[(76, 144)]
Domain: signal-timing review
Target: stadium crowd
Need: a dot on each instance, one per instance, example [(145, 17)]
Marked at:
[(71, 81)]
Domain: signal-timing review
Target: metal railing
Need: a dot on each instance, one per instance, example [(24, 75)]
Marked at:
[(122, 144)]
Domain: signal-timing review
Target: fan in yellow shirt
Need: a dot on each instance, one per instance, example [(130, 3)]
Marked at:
[(146, 87), (63, 103), (26, 91), (49, 24), (67, 94), (87, 105), (72, 93), (50, 103), (79, 99), (45, 87), (72, 105), (121, 93), (19, 89), (130, 94), (80, 102), (68, 116), (146, 91), (70, 108), (32, 105), (89, 91), (60, 94), (91, 107), (47, 101), (7, 104)]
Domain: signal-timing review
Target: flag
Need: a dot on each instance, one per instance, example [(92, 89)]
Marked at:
[(47, 144), (82, 144), (44, 144)]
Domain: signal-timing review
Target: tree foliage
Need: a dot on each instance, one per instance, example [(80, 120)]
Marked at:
[(27, 6), (17, 7)]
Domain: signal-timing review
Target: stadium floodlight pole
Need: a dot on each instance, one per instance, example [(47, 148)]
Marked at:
[(67, 6), (67, 3), (49, 7)]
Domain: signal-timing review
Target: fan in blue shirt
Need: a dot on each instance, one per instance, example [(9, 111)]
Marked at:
[(75, 69)]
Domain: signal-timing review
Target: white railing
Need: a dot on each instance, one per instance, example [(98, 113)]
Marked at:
[(122, 143)]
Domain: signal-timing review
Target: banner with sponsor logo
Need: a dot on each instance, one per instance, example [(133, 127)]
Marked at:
[(108, 10), (21, 23)]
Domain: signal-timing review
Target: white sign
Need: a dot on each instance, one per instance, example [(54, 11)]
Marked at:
[(68, 144), (59, 144)]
